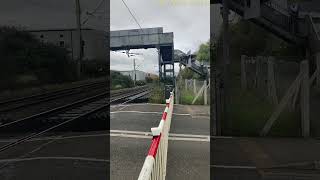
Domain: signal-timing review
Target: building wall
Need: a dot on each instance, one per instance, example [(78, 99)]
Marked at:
[(94, 41)]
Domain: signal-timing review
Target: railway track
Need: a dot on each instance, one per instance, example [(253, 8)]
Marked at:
[(66, 115), (18, 103)]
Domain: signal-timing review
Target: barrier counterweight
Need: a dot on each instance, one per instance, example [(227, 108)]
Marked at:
[(154, 167)]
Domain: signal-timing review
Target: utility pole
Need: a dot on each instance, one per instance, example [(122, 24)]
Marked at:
[(134, 69), (80, 45)]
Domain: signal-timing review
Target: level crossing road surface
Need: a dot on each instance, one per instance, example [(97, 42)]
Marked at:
[(64, 156), (248, 158), (188, 149)]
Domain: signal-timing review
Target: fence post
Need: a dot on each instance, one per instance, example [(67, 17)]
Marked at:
[(243, 73), (205, 94), (318, 70), (305, 99), (271, 81), (185, 84), (194, 86), (177, 91), (259, 73)]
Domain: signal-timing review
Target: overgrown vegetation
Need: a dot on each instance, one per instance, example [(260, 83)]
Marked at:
[(25, 61), (157, 95), (94, 68), (248, 111), (187, 97), (119, 81)]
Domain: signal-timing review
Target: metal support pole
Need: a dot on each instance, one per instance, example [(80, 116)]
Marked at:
[(80, 49), (160, 66), (134, 70), (226, 63)]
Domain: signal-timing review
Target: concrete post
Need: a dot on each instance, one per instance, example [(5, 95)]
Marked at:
[(205, 93), (186, 84), (177, 92), (305, 99), (243, 73)]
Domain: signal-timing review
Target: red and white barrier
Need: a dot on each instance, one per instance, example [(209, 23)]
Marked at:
[(154, 167)]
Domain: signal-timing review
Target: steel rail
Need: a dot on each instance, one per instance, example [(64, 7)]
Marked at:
[(94, 110)]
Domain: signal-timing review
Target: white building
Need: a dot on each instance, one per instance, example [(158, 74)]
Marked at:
[(94, 41)]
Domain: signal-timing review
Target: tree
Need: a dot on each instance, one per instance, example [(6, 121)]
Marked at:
[(203, 53)]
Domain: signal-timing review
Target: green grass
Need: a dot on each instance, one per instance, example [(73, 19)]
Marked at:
[(248, 114), (157, 95), (188, 96)]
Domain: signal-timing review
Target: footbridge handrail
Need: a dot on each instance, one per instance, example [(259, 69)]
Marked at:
[(313, 28)]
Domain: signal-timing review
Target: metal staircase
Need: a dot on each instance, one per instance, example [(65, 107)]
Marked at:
[(189, 61), (275, 19)]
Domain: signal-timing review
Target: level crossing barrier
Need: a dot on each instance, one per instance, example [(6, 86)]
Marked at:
[(154, 167)]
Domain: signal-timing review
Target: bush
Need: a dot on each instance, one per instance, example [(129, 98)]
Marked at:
[(94, 68), (119, 81), (157, 94), (25, 59), (140, 83)]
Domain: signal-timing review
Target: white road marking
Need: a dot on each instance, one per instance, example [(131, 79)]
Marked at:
[(233, 167), (57, 137), (125, 133), (149, 112), (139, 104), (31, 152), (148, 135), (53, 158)]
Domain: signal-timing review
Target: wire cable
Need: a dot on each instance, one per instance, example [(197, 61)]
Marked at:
[(131, 14)]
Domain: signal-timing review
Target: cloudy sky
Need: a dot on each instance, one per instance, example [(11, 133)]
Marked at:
[(189, 21), (46, 14)]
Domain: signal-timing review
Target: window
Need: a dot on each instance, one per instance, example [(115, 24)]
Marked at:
[(41, 36), (61, 43), (61, 35)]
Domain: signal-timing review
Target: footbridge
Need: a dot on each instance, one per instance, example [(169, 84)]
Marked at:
[(163, 41), (148, 38), (302, 30)]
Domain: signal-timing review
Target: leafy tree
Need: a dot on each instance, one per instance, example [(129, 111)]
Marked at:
[(203, 53), (23, 55), (186, 73)]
